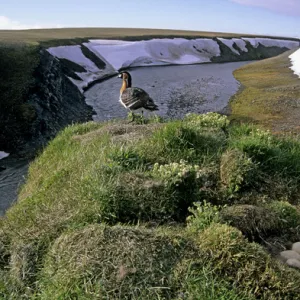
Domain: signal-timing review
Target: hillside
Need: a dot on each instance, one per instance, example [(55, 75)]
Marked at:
[(103, 214), (45, 35), (269, 95)]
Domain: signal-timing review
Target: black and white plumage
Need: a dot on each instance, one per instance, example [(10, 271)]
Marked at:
[(134, 98)]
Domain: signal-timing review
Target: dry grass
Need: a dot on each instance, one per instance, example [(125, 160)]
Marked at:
[(121, 132), (252, 221), (38, 35), (270, 94)]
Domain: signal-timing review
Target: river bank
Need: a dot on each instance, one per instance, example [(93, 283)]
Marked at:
[(177, 90)]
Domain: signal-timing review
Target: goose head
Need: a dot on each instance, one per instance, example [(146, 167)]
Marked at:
[(126, 78), (124, 75)]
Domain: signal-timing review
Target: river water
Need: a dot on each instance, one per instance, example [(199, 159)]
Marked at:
[(177, 90)]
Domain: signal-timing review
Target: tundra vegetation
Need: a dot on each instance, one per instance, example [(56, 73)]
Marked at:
[(189, 209), (197, 208), (270, 95)]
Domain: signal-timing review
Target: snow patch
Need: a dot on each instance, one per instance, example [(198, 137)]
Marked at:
[(74, 54), (119, 54), (3, 154), (229, 43), (124, 54), (241, 44), (272, 43), (295, 59)]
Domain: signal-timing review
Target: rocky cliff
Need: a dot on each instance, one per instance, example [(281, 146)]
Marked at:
[(51, 103)]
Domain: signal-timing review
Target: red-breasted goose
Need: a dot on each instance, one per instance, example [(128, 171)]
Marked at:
[(134, 98)]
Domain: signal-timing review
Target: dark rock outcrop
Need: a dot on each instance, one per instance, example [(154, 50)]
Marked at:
[(254, 53), (52, 102)]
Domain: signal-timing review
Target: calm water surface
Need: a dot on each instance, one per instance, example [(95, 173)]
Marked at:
[(177, 90)]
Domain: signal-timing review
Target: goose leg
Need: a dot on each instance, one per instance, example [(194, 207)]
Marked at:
[(133, 117), (143, 119)]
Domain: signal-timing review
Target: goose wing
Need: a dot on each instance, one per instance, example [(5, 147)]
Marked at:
[(135, 98)]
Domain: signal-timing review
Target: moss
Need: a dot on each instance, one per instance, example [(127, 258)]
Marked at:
[(253, 221)]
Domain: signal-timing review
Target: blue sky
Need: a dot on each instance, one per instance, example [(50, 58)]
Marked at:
[(272, 17)]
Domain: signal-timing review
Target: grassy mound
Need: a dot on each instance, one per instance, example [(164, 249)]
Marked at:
[(247, 264), (99, 262), (252, 221), (93, 176)]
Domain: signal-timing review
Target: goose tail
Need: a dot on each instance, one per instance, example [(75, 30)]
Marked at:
[(151, 105)]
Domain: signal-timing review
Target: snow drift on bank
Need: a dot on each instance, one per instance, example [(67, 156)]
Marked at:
[(295, 59), (75, 55), (124, 54), (3, 154)]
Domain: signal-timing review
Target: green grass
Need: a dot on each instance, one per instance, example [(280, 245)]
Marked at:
[(104, 208)]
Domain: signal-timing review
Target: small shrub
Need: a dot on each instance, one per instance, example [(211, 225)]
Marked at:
[(209, 120), (202, 216), (287, 214), (177, 173), (236, 170), (189, 182)]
